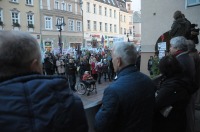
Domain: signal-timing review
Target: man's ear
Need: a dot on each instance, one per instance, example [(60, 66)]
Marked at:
[(36, 66)]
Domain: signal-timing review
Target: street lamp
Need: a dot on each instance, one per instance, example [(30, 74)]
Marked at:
[(60, 23)]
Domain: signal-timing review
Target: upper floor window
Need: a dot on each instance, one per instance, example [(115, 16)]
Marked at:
[(105, 11), (110, 12), (115, 28), (100, 26), (95, 25), (70, 25), (29, 2), (106, 27), (59, 21), (88, 7), (124, 30), (30, 19), (100, 10), (124, 18), (15, 17), (69, 7), (48, 22), (110, 27), (94, 8), (78, 26), (16, 1), (129, 7), (88, 24), (63, 6), (57, 6), (114, 13), (1, 15), (193, 2)]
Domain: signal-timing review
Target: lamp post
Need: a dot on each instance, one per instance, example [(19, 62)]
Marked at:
[(59, 24)]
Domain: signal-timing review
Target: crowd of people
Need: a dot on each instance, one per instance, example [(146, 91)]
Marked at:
[(31, 100)]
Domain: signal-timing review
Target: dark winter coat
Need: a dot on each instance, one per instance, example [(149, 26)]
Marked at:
[(127, 104), (41, 104), (179, 28), (171, 92)]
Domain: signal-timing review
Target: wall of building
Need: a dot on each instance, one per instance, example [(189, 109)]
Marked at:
[(157, 18)]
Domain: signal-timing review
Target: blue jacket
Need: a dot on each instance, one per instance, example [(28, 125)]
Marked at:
[(128, 103), (37, 103)]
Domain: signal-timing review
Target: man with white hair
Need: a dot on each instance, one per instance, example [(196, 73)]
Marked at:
[(179, 48), (128, 103), (30, 101)]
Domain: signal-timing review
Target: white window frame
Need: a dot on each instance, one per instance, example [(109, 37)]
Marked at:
[(94, 6), (29, 2), (63, 6), (17, 17), (110, 27), (100, 10), (106, 27), (114, 13), (100, 26), (56, 5), (30, 19), (88, 25), (70, 25), (69, 7), (95, 25), (191, 3), (79, 27), (88, 7), (48, 23)]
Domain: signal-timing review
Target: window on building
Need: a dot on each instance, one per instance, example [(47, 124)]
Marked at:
[(106, 27), (110, 12), (129, 7), (130, 31), (100, 26), (70, 25), (110, 27), (63, 6), (115, 28), (78, 26), (113, 2), (56, 6), (48, 22), (105, 11), (30, 19), (120, 17), (16, 1), (1, 15), (124, 30), (95, 25), (121, 30), (88, 24), (70, 7), (29, 2), (114, 13), (88, 7), (94, 8), (193, 2), (15, 17), (124, 18), (100, 10), (60, 20)]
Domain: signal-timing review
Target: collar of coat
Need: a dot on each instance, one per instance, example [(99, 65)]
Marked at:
[(125, 70)]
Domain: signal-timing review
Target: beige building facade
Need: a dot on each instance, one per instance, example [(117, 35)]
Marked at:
[(105, 21), (55, 12), (20, 15), (157, 18)]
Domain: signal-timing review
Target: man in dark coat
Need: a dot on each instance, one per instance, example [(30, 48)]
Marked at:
[(30, 101), (128, 103)]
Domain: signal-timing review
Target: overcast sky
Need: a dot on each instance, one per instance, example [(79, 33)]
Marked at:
[(136, 5)]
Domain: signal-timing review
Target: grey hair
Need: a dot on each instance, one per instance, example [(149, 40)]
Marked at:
[(17, 51), (179, 43), (126, 51)]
